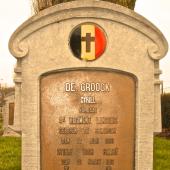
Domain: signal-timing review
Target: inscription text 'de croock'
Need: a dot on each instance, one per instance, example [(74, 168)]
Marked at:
[(87, 121)]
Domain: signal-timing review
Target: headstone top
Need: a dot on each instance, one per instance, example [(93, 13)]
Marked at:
[(103, 10)]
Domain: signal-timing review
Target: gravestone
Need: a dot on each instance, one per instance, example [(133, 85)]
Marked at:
[(11, 114), (87, 87), (8, 110)]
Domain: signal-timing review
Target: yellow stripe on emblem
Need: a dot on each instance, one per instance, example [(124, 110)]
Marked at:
[(88, 42)]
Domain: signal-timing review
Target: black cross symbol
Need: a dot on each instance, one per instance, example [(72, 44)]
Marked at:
[(88, 39)]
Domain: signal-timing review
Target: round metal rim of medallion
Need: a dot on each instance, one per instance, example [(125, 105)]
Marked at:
[(95, 37)]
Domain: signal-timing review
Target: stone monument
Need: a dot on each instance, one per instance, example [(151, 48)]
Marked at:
[(8, 114), (87, 87)]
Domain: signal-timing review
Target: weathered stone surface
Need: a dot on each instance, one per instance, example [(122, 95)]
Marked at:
[(134, 46)]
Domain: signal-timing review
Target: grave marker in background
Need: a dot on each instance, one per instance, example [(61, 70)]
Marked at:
[(11, 114)]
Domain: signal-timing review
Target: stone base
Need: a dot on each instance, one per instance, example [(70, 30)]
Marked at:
[(11, 132)]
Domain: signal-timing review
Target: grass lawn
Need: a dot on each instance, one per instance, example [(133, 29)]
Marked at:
[(10, 153), (161, 154)]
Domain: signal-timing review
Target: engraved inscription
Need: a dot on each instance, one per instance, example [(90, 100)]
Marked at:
[(64, 152), (80, 120), (87, 121)]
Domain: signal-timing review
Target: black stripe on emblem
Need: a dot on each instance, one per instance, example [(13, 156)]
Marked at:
[(75, 42)]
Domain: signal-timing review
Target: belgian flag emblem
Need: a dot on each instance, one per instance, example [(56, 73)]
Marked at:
[(88, 42)]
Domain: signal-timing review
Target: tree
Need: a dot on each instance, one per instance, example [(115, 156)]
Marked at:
[(165, 109), (40, 5), (6, 90)]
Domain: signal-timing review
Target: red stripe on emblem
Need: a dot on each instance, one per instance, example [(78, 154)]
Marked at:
[(100, 42)]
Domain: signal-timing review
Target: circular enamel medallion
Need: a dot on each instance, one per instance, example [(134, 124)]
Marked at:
[(88, 41)]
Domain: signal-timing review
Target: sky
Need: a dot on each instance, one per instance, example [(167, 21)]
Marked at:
[(14, 12)]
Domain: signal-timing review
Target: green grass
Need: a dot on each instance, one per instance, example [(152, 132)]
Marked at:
[(10, 153), (161, 154)]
